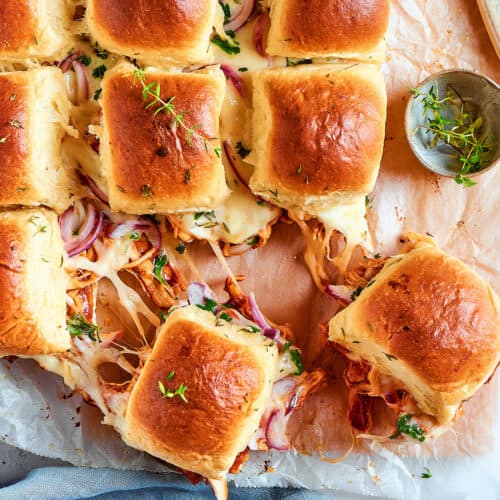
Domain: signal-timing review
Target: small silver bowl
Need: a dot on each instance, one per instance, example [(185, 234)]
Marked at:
[(479, 92)]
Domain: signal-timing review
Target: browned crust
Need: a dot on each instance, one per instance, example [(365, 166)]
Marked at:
[(334, 26), (144, 150), (222, 383), (151, 25), (327, 132), (14, 148), (17, 26), (439, 318)]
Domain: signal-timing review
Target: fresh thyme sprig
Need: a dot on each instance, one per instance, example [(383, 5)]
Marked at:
[(151, 93), (462, 130), (168, 393)]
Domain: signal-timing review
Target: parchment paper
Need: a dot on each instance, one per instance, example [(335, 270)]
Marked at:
[(41, 415)]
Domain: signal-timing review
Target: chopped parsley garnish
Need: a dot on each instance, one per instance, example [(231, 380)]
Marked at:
[(100, 53), (296, 62), (210, 305), (242, 150), (368, 203), (181, 248), (403, 426), (169, 393), (78, 326), (99, 71), (163, 316), (426, 474), (243, 69), (275, 194), (97, 94), (158, 264), (225, 316), (356, 293), (227, 11), (135, 236), (295, 357), (205, 219), (250, 329), (390, 357), (146, 191), (85, 59), (229, 46), (252, 241)]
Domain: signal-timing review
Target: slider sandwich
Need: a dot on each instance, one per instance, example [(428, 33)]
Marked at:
[(343, 29), (178, 166), (318, 136), (34, 29), (217, 381), (156, 31), (422, 333)]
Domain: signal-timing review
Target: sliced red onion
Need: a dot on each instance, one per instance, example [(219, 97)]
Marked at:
[(235, 78), (241, 16), (96, 190), (66, 63), (341, 293), (198, 293), (79, 235), (276, 435), (260, 30), (231, 157), (256, 313), (141, 225), (82, 83)]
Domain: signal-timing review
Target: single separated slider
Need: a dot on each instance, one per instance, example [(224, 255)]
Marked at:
[(423, 334), (318, 136)]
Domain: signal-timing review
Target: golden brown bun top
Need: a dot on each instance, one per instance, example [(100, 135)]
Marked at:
[(14, 126), (17, 25), (334, 26), (149, 163), (328, 127), (439, 317), (227, 374), (153, 24)]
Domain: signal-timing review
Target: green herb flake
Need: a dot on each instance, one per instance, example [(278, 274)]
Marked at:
[(254, 240), (295, 357), (99, 71), (146, 191), (210, 305), (243, 70), (181, 248), (426, 474), (390, 357), (355, 294), (169, 393), (159, 263), (85, 60), (250, 329), (100, 53), (242, 150), (97, 94), (225, 316), (229, 46), (403, 426), (78, 326), (134, 236)]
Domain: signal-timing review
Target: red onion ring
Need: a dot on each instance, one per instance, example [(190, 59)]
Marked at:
[(82, 83), (260, 30), (340, 292), (241, 17), (231, 158), (276, 431), (66, 63), (267, 330), (235, 78), (86, 233), (96, 191), (143, 225)]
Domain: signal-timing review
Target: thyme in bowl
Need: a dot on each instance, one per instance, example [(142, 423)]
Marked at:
[(449, 120)]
